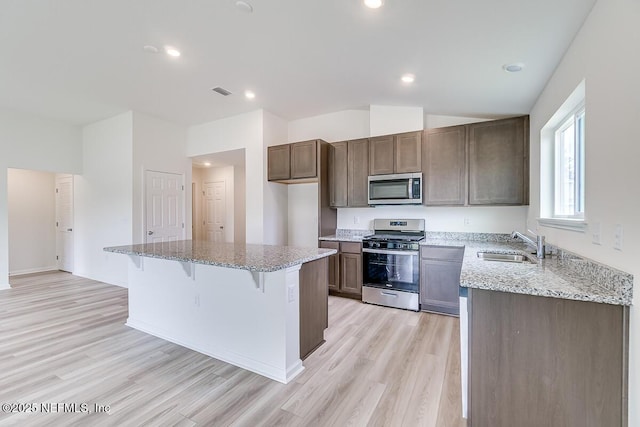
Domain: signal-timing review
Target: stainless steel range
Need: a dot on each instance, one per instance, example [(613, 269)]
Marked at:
[(391, 268)]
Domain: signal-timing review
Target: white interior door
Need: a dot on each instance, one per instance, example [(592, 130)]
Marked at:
[(64, 222), (164, 194), (214, 211)]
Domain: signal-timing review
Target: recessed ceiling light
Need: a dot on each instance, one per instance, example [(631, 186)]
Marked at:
[(513, 68), (207, 164), (373, 4), (150, 49), (249, 94), (244, 6), (408, 78), (172, 51)]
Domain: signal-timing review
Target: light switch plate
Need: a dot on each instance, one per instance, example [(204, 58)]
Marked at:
[(617, 237), (595, 233)]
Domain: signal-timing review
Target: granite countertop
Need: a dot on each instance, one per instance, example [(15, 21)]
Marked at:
[(562, 275), (259, 258)]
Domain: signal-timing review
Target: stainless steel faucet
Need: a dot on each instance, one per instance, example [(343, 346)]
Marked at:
[(538, 244)]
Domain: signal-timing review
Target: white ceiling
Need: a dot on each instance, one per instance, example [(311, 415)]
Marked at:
[(83, 60)]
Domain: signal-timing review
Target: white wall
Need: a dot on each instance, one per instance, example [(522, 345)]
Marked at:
[(159, 146), (503, 219), (303, 215), (604, 53), (32, 215), (276, 196), (103, 199), (338, 126), (385, 120), (246, 131), (240, 202), (29, 142)]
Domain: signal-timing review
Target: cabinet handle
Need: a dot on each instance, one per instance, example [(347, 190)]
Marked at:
[(389, 294)]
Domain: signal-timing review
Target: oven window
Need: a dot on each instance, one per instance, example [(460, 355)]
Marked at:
[(391, 189), (392, 271)]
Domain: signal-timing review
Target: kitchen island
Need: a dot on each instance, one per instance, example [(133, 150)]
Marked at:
[(259, 307)]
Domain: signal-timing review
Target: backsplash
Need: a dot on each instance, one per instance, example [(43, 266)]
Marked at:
[(478, 237), (350, 233)]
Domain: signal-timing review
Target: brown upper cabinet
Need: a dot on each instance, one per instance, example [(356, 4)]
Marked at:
[(348, 172), (445, 166), (484, 163), (499, 162), (296, 161), (401, 153)]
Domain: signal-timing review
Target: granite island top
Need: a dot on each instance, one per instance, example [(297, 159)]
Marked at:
[(252, 257), (562, 275)]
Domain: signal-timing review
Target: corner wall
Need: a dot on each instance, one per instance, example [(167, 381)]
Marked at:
[(103, 199), (604, 54), (29, 142)]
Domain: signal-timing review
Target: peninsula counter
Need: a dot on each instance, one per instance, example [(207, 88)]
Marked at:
[(258, 307)]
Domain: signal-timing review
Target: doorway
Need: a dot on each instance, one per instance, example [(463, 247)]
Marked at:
[(164, 206), (219, 195)]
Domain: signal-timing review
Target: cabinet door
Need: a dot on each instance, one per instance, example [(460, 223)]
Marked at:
[(439, 283), (381, 158), (351, 273), (358, 172), (334, 265), (304, 160), (338, 174), (278, 162), (445, 166), (497, 162), (408, 152)]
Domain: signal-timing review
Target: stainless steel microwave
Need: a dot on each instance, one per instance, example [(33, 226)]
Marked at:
[(395, 189)]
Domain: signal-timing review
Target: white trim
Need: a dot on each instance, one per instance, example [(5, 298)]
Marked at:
[(33, 270), (577, 225)]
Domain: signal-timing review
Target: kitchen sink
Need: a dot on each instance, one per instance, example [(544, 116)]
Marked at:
[(493, 256)]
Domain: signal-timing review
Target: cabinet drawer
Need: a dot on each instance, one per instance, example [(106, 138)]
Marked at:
[(352, 248), (444, 253), (330, 245)]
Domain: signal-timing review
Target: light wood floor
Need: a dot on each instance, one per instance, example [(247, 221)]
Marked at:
[(63, 339)]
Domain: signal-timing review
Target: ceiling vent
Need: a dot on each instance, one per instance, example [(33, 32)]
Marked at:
[(221, 91)]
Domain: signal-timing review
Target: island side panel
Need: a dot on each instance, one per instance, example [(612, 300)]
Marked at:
[(314, 304), (221, 312)]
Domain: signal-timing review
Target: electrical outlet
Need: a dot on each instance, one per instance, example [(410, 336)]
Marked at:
[(197, 300), (595, 233), (291, 294), (617, 237), (356, 220), (467, 221)]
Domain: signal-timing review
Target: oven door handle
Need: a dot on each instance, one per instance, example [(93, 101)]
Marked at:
[(386, 252)]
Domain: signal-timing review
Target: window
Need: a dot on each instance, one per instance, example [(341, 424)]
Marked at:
[(568, 180), (562, 165)]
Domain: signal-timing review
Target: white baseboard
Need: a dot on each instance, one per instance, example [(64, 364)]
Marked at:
[(33, 270), (4, 286)]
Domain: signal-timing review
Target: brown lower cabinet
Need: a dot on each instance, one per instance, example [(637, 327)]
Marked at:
[(440, 278), (314, 306), (345, 268), (539, 361)]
